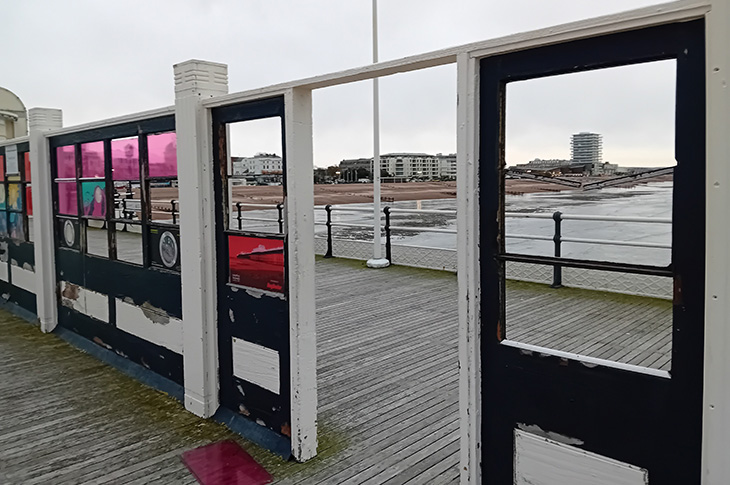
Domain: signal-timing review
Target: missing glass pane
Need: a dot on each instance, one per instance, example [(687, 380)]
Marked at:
[(589, 163), (129, 243), (255, 176), (164, 203), (97, 242)]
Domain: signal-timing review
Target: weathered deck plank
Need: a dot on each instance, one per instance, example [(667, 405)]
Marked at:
[(388, 384)]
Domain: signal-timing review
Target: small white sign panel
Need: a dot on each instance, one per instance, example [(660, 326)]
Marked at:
[(11, 160), (256, 364), (542, 461), (132, 204)]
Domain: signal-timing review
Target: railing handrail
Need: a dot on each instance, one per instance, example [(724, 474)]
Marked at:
[(589, 217)]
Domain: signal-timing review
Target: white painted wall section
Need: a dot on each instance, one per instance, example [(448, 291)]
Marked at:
[(299, 213), (23, 278), (716, 413), (148, 323), (4, 272), (256, 364), (195, 81), (542, 461), (42, 120)]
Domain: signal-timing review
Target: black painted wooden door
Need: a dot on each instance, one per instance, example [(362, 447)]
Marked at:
[(253, 309), (640, 418)]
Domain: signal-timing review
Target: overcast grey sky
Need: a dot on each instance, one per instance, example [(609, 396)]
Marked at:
[(98, 59)]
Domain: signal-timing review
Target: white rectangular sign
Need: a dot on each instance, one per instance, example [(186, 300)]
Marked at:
[(11, 160), (132, 204)]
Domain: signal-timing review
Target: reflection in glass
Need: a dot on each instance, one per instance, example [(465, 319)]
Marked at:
[(3, 223), (27, 166), (67, 198), (28, 199), (16, 226), (93, 196), (92, 159), (65, 162), (15, 201), (162, 153), (125, 159), (2, 168), (3, 205)]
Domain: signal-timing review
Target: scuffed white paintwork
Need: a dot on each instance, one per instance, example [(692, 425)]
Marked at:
[(256, 364), (23, 278), (542, 461), (88, 302), (162, 330)]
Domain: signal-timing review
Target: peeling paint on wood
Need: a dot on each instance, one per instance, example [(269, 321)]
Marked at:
[(150, 323), (256, 364)]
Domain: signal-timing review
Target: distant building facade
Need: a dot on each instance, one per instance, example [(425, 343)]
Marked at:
[(586, 147), (13, 116), (259, 164), (406, 165)]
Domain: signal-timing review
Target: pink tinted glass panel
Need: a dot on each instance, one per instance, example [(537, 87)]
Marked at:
[(125, 159), (92, 159), (65, 165), (162, 151), (67, 198)]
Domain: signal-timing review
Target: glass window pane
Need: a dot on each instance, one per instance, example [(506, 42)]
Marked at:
[(93, 196), (96, 239), (3, 204), (162, 150), (15, 200), (92, 159), (125, 159), (65, 162), (164, 205), (67, 198), (3, 223), (16, 226), (2, 168)]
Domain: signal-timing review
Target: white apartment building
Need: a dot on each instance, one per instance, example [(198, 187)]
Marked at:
[(259, 164)]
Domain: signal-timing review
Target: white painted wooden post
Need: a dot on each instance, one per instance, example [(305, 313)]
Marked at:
[(299, 206), (43, 120), (467, 183), (195, 81), (716, 413)]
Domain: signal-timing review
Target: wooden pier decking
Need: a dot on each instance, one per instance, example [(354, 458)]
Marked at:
[(388, 384)]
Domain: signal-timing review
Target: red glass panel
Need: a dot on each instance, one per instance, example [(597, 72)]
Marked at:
[(67, 198), (65, 162), (162, 150), (125, 159), (92, 159), (225, 463), (29, 199), (27, 166), (256, 262)]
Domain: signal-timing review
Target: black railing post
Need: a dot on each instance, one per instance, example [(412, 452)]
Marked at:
[(174, 211), (238, 215), (328, 210), (388, 254), (557, 269), (280, 208)]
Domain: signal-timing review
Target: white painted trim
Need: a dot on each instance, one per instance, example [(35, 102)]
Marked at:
[(195, 80), (14, 141), (299, 218), (88, 302), (716, 406), (467, 183), (4, 271), (118, 120), (584, 359), (41, 121), (633, 19), (154, 326), (23, 278)]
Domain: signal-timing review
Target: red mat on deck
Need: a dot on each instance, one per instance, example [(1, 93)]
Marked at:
[(225, 463)]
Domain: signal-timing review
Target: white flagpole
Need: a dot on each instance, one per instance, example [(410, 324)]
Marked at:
[(377, 261)]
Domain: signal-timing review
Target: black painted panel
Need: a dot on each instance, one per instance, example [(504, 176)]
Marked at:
[(18, 296), (153, 125), (21, 252), (649, 421), (154, 357)]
